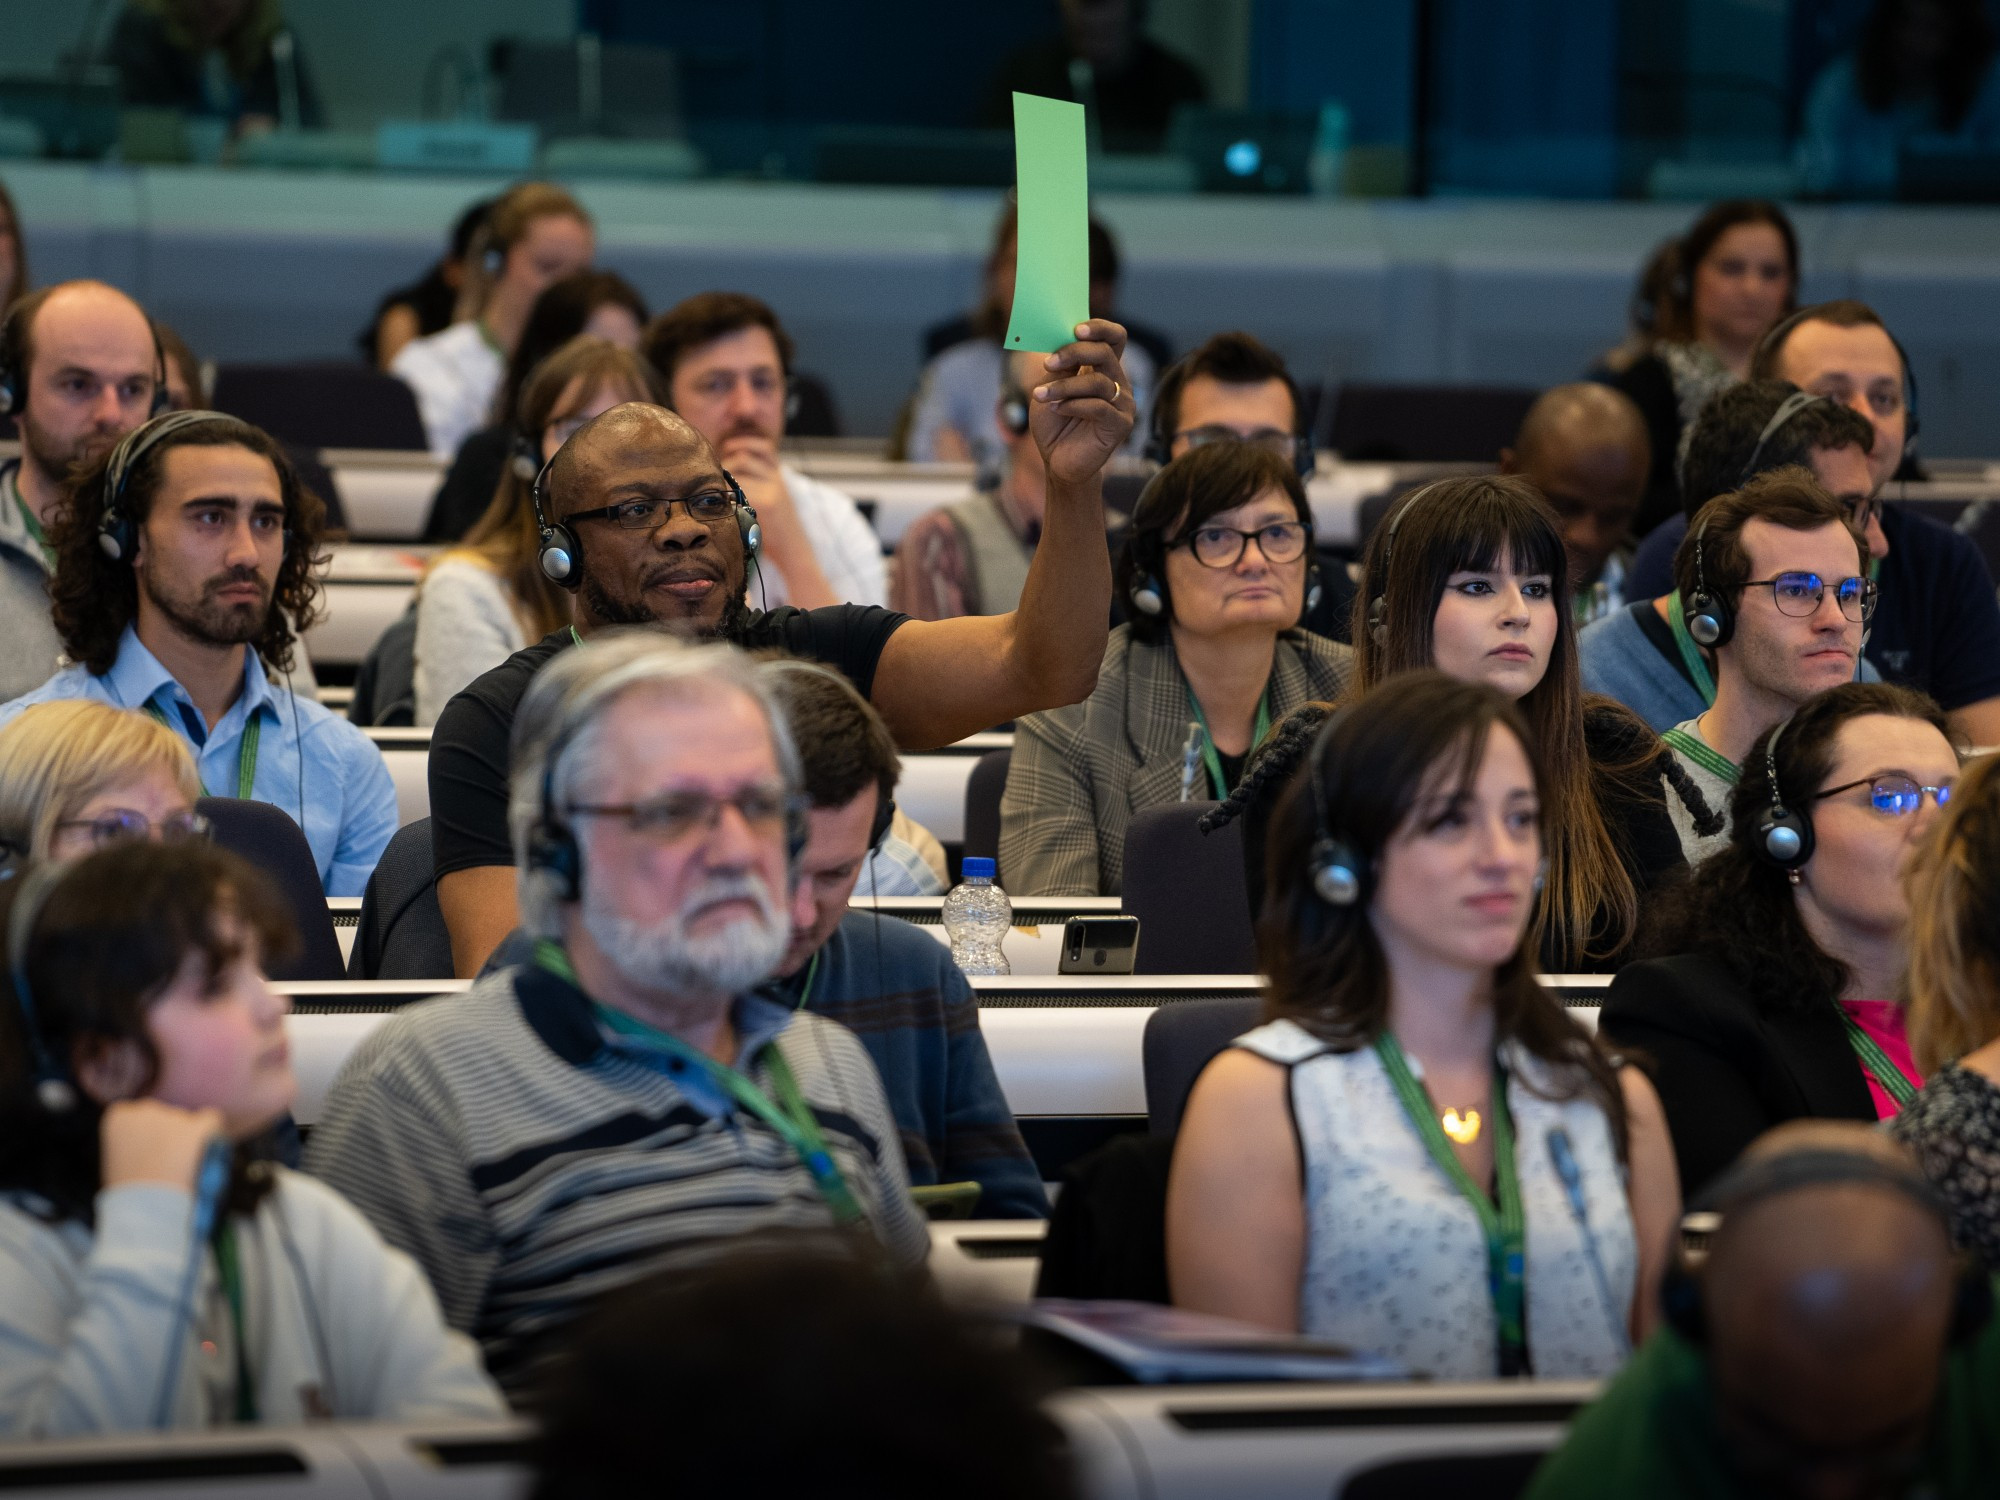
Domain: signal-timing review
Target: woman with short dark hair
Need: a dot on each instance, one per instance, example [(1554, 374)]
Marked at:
[(1216, 571)]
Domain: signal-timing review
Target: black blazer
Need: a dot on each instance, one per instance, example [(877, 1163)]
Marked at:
[(1727, 1068)]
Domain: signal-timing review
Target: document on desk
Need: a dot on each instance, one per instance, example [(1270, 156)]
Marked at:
[(1052, 263)]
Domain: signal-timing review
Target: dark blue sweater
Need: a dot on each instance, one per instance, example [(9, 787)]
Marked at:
[(895, 987)]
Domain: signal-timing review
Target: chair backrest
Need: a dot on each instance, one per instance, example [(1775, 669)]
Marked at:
[(1188, 891), (1181, 1039), (385, 684), (1426, 423), (267, 837), (402, 933), (982, 806), (322, 404)]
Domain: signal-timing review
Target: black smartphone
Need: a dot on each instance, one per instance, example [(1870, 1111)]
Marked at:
[(1099, 945)]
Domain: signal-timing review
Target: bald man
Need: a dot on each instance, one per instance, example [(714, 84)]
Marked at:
[(81, 363), (1585, 447), (654, 533), (1824, 1366)]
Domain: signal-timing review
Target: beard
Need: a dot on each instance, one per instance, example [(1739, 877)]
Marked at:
[(56, 459), (662, 955), (209, 620), (734, 620)]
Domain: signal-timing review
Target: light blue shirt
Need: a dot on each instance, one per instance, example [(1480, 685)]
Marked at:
[(348, 800)]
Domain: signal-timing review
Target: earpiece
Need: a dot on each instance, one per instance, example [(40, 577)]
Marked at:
[(1014, 411), (118, 533), (1339, 875), (1784, 838), (55, 1091), (885, 814), (1681, 1297), (1378, 602), (560, 557), (1708, 617)]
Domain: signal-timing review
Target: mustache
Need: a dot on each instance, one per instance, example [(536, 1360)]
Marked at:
[(717, 890), (234, 577)]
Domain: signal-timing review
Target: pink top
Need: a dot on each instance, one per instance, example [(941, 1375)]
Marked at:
[(1883, 1021)]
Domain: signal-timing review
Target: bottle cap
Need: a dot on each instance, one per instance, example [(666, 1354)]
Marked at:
[(977, 868)]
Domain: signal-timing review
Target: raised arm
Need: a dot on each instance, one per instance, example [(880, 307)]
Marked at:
[(940, 680)]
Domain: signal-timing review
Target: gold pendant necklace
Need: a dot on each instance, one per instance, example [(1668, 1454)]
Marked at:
[(1464, 1129)]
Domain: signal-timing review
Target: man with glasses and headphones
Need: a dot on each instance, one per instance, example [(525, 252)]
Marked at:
[(726, 362), (1830, 1342), (1775, 597), (570, 1123), (642, 520), (183, 573), (79, 368)]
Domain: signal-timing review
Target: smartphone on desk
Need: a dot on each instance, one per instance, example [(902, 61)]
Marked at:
[(1099, 945)]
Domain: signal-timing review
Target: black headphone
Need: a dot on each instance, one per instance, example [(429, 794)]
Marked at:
[(552, 846), (1708, 617), (118, 533), (1340, 874), (1751, 1182), (1378, 600), (55, 1090), (1147, 592), (1014, 409), (1784, 838), (14, 378), (1768, 346), (561, 555), (1790, 407)]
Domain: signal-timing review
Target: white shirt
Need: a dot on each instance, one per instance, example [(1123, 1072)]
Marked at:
[(466, 626), (454, 374), (848, 551)]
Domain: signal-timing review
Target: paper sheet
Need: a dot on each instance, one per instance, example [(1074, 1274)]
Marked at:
[(1052, 265)]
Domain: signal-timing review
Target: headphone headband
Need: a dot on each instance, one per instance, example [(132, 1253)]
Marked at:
[(53, 1087), (1790, 407), (117, 533)]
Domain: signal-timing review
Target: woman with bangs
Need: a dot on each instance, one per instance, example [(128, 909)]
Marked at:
[(1419, 1154), (1470, 576), (485, 599), (158, 1269)]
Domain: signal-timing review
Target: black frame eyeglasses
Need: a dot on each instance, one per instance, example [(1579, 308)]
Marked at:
[(1281, 542), (676, 816), (710, 507), (1798, 595)]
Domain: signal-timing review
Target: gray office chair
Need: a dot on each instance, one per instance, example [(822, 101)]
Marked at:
[(1188, 891), (982, 807), (1180, 1040), (402, 933), (268, 838)]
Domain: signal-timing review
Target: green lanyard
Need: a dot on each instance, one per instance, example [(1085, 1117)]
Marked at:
[(1209, 756), (1703, 754), (230, 1268), (1690, 652), (246, 751), (1876, 1061), (790, 1117), (1505, 1229)]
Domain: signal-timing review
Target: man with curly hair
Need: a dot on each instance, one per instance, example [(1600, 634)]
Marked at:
[(184, 568)]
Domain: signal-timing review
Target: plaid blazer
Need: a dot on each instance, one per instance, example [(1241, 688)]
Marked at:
[(1078, 774)]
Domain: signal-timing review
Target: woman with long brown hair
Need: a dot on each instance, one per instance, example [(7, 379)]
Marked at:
[(486, 598), (1420, 1154)]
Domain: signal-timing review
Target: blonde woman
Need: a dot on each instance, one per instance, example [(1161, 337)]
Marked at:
[(485, 599), (535, 235), (77, 775), (1953, 1124)]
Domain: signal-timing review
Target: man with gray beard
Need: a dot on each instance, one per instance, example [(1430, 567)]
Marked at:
[(567, 1125)]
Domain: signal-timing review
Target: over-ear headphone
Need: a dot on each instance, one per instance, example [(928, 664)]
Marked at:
[(55, 1090), (524, 456), (552, 846), (1709, 618), (118, 533), (1014, 409), (1790, 407), (1378, 600), (14, 375), (1751, 1182), (1784, 838), (885, 814), (1767, 355), (1340, 875), (1147, 592), (561, 556)]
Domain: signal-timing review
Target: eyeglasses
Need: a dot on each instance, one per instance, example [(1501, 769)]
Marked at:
[(1269, 438), (709, 507), (1898, 796), (1799, 594), (677, 816), (1860, 512), (1223, 546), (121, 825)]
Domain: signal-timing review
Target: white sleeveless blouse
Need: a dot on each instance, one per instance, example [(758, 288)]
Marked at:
[(1395, 1256)]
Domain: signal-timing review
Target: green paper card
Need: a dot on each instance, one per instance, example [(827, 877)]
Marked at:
[(1052, 265)]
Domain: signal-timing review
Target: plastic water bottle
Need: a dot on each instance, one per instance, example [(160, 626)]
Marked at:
[(977, 915)]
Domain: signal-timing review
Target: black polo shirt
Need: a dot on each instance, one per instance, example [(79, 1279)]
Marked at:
[(468, 760)]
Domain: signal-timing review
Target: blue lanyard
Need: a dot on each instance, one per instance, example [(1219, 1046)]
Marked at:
[(789, 1116)]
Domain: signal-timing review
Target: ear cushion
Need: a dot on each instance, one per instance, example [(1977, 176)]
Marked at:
[(1709, 621), (552, 850), (1149, 596), (1339, 875), (885, 814), (561, 558)]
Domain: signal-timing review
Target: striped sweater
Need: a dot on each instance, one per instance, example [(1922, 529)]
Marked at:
[(530, 1163)]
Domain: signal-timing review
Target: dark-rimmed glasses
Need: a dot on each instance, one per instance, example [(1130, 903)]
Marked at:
[(709, 507), (676, 816), (1223, 546), (122, 825), (1799, 594), (1898, 796), (1268, 438)]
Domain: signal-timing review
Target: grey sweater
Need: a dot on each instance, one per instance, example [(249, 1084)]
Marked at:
[(29, 646)]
